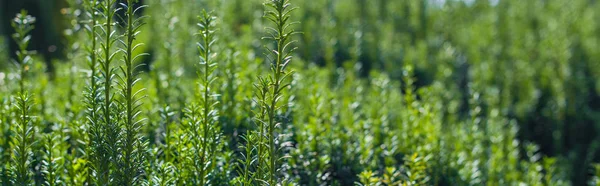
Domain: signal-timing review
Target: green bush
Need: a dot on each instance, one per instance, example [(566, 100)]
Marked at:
[(286, 92)]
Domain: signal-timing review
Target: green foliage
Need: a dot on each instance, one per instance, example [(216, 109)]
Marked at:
[(378, 93), (95, 150), (23, 129), (109, 127), (201, 127), (272, 87), (23, 24), (93, 101), (131, 156), (247, 160), (23, 139), (52, 163)]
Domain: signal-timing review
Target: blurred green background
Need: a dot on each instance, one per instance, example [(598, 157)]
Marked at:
[(535, 61), (48, 38)]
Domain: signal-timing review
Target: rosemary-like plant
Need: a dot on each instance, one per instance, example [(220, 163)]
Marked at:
[(261, 98), (244, 166), (24, 129), (133, 148), (98, 158), (23, 141), (209, 113), (278, 13), (202, 124), (93, 97), (109, 128), (23, 24), (346, 127), (51, 165)]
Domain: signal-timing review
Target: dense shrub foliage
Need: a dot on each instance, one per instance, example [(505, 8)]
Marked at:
[(292, 92)]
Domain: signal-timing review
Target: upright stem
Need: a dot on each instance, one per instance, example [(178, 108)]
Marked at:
[(130, 133), (105, 170), (206, 109), (24, 129), (208, 131), (279, 17)]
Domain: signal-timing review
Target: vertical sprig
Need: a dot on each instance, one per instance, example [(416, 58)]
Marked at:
[(23, 24), (191, 127), (279, 12), (202, 125), (209, 112), (93, 95), (245, 175), (23, 140), (24, 129), (109, 129), (52, 162), (260, 117), (133, 148)]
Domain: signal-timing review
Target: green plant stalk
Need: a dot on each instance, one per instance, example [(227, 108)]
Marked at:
[(129, 78), (50, 165), (24, 139), (263, 91), (281, 35), (22, 143), (245, 174), (133, 140), (207, 36), (93, 62), (109, 129), (94, 153), (194, 138), (23, 24), (206, 107), (107, 58)]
